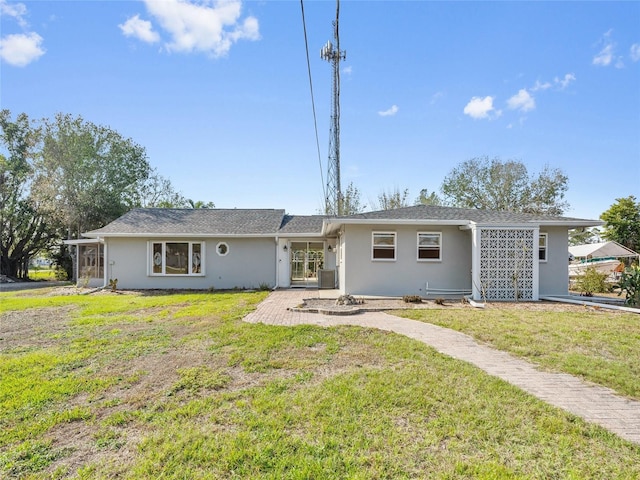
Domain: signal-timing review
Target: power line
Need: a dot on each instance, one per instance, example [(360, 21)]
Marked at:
[(313, 104)]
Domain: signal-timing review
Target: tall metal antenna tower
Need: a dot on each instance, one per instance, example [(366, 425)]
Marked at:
[(334, 200)]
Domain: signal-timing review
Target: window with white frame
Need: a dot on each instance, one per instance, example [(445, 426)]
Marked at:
[(177, 258), (542, 247), (429, 246), (383, 246)]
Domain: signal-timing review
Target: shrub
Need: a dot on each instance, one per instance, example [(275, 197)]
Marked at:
[(412, 299), (348, 300), (630, 284), (60, 273), (439, 301), (592, 282)]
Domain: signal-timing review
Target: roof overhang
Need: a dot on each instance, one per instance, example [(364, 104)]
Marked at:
[(301, 235), (84, 241), (180, 235), (329, 227), (577, 223), (333, 224), (534, 224)]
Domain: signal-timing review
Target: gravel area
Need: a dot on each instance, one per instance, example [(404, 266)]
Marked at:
[(387, 304)]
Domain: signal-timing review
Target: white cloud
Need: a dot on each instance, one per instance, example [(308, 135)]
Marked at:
[(15, 10), (390, 112), (604, 57), (21, 49), (522, 101), (635, 52), (140, 29), (558, 82), (205, 26), (347, 70), (436, 97), (565, 81), (541, 86), (479, 108)]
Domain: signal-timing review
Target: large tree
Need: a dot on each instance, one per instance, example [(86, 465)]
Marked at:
[(390, 200), (505, 186), (86, 173), (583, 235), (351, 201), (24, 230), (195, 204), (61, 177), (85, 176), (622, 222), (426, 198), (155, 191)]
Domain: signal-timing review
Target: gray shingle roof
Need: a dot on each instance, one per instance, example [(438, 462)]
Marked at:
[(309, 224), (168, 221), (433, 212), (200, 221)]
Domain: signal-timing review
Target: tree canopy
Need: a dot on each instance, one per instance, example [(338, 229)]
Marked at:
[(505, 186), (426, 198), (155, 191), (351, 201), (23, 226), (64, 176), (622, 222), (583, 235), (390, 200), (86, 171)]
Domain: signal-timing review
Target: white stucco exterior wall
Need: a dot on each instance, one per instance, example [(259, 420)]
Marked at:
[(554, 273), (249, 263), (360, 275)]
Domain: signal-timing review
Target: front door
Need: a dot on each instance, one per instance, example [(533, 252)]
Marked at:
[(306, 259)]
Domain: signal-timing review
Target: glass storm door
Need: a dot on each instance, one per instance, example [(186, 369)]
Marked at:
[(306, 259)]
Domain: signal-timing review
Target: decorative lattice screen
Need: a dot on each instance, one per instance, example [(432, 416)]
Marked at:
[(506, 263)]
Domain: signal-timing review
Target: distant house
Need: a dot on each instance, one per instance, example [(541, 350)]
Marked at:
[(421, 250)]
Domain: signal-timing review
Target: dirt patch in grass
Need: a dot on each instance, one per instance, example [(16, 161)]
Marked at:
[(33, 328), (142, 378), (96, 442), (148, 379), (147, 382)]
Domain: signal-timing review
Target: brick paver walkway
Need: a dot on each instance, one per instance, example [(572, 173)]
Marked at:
[(593, 403)]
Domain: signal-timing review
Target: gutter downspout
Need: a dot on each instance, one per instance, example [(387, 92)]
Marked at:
[(473, 303)]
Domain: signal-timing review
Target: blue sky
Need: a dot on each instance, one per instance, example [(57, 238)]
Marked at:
[(218, 92)]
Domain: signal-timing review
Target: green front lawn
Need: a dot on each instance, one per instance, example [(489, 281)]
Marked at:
[(177, 386), (42, 273)]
